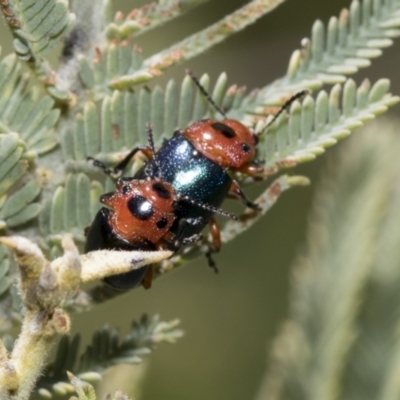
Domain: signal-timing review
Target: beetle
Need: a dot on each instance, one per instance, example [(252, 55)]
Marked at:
[(140, 215)]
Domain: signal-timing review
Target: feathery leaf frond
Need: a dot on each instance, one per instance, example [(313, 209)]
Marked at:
[(316, 124), (342, 48), (107, 350)]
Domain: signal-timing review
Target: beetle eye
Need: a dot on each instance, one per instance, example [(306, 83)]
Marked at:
[(226, 130), (140, 207), (245, 147), (161, 190)]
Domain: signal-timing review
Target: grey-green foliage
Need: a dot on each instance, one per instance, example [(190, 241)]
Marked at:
[(50, 121), (341, 339), (105, 350), (25, 109)]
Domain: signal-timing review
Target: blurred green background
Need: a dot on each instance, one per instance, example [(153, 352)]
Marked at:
[(230, 318)]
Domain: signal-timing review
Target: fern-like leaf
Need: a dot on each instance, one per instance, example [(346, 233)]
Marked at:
[(342, 48), (105, 351), (314, 125)]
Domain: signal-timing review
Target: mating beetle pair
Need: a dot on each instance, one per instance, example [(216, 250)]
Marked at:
[(176, 194)]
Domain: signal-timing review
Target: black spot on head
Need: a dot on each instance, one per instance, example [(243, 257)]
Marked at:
[(161, 190), (125, 189), (245, 147), (162, 223), (140, 207), (226, 130)]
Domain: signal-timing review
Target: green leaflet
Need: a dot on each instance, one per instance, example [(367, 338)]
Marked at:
[(37, 26), (73, 206), (24, 109)]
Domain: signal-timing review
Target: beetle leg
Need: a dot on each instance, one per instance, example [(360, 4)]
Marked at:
[(250, 169), (236, 192), (148, 278), (146, 150), (180, 239), (216, 243)]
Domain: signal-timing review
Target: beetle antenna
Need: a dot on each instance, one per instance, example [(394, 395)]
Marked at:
[(150, 139), (211, 208), (206, 94), (287, 104)]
